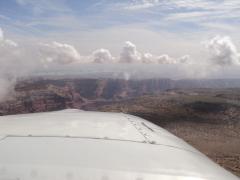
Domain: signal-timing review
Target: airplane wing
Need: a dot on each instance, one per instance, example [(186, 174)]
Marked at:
[(78, 145)]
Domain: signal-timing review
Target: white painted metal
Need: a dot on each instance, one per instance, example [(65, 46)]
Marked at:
[(75, 145)]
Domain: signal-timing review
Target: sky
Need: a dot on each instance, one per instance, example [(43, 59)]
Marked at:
[(194, 38), (172, 27)]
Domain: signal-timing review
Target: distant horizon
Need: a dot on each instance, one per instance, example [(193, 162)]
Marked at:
[(174, 39), (141, 71)]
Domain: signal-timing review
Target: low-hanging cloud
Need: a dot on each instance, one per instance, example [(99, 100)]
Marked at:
[(222, 51), (59, 53), (129, 53), (19, 60), (148, 58), (102, 56), (184, 59), (166, 59), (6, 42), (10, 65)]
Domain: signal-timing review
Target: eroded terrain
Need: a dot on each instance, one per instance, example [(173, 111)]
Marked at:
[(208, 121), (207, 118)]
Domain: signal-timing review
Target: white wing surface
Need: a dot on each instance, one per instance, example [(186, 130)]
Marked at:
[(79, 145)]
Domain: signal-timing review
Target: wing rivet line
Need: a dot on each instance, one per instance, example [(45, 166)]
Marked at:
[(141, 131)]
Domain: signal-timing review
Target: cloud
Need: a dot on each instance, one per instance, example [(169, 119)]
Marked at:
[(44, 6), (24, 59), (102, 56), (1, 34), (166, 59), (21, 61), (3, 17), (10, 43), (12, 65), (60, 53), (129, 53), (148, 58), (6, 88), (222, 51), (142, 4), (184, 59), (168, 13), (6, 42)]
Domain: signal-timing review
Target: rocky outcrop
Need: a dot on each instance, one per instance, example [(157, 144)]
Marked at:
[(47, 95), (37, 95)]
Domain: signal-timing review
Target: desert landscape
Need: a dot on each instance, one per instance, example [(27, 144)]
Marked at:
[(209, 122), (205, 113), (175, 63)]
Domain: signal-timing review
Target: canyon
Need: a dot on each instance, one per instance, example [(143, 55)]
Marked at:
[(205, 113)]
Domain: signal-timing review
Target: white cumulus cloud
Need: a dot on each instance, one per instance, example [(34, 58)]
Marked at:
[(56, 52), (102, 56), (222, 51), (148, 58), (129, 53), (166, 59), (20, 61)]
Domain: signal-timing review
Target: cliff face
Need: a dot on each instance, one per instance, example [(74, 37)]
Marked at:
[(208, 119), (48, 95), (110, 89)]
